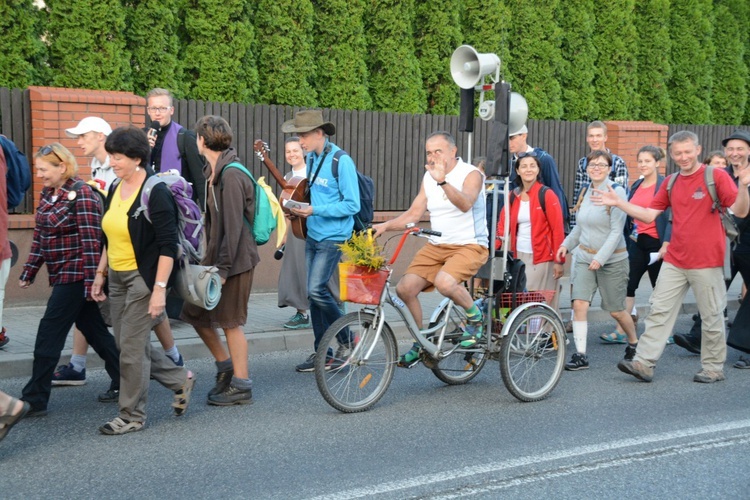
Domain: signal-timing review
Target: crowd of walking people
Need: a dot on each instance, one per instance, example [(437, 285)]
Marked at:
[(108, 266)]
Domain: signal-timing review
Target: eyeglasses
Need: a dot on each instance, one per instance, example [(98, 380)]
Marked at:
[(159, 110), (598, 166), (49, 150), (531, 154)]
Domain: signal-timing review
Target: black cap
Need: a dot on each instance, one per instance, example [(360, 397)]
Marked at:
[(742, 135)]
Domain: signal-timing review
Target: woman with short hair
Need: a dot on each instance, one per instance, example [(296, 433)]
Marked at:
[(138, 258)]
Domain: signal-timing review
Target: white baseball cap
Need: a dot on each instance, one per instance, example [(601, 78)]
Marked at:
[(89, 124)]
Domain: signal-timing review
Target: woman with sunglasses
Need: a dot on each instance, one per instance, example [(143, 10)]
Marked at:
[(601, 260), (536, 231), (67, 239), (644, 240), (138, 258)]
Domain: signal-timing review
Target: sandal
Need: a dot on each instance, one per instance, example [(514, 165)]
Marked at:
[(182, 397), (9, 420), (743, 363), (614, 338), (119, 426)]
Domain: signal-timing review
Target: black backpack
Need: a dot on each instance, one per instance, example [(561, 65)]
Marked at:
[(363, 219), (18, 174)]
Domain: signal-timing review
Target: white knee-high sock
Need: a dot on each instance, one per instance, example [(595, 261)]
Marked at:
[(580, 331)]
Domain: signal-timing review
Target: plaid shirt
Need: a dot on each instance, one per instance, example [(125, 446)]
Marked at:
[(618, 174), (67, 237)]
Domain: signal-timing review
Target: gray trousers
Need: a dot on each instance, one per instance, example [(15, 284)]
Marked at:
[(131, 322)]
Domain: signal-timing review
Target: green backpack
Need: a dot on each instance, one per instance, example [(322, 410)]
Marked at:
[(265, 221)]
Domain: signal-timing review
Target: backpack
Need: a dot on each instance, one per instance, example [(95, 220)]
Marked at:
[(362, 219), (583, 193), (727, 221), (190, 223), (542, 193), (265, 220), (18, 174), (77, 185)]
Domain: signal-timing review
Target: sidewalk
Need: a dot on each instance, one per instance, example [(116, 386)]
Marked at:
[(264, 329)]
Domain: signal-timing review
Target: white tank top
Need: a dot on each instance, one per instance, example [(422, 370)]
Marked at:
[(458, 228)]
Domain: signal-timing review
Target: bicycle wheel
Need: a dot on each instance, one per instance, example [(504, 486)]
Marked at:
[(532, 355), (359, 362), (463, 364)]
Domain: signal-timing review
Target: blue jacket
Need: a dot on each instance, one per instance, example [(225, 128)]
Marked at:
[(334, 201)]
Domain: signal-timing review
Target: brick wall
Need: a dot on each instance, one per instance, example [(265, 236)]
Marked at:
[(626, 138)]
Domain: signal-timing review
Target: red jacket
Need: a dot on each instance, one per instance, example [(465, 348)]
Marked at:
[(547, 232)]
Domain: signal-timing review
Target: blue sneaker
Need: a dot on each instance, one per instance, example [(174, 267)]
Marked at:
[(67, 375), (472, 333), (180, 361)]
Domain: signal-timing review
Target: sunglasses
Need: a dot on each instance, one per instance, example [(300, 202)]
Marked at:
[(49, 150), (531, 154)]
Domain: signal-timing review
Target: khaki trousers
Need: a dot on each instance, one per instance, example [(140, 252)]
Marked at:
[(666, 299), (131, 322)]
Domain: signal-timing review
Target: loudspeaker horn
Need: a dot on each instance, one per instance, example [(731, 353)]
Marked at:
[(517, 114), (469, 66)]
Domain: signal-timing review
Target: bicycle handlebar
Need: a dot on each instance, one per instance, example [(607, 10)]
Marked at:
[(416, 231)]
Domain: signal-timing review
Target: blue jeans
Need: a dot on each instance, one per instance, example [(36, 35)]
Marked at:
[(322, 258)]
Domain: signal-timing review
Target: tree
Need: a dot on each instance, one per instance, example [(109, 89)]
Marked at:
[(395, 78), (692, 57), (219, 63), (285, 58), (340, 52), (577, 23), (438, 33), (535, 56), (654, 67), (23, 52), (87, 43), (729, 94), (155, 44), (615, 71)]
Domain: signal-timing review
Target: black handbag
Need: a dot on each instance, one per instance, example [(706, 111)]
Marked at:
[(739, 333)]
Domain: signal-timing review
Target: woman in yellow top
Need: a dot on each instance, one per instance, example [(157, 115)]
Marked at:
[(138, 257)]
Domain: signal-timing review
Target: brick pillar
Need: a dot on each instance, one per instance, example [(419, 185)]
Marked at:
[(55, 109), (626, 138)]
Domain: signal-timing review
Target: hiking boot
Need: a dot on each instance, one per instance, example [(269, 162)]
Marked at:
[(629, 353), (472, 333), (308, 365), (67, 375), (689, 342), (120, 426), (232, 396), (3, 338), (223, 379), (298, 321), (577, 362), (111, 396), (636, 369), (708, 377)]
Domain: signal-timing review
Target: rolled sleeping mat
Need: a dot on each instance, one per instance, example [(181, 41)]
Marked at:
[(199, 285)]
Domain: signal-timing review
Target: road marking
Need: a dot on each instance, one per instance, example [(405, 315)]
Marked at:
[(495, 467)]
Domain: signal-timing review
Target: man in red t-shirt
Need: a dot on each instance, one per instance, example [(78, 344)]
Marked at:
[(687, 264)]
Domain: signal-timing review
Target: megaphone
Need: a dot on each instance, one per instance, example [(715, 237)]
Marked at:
[(468, 66), (517, 114)]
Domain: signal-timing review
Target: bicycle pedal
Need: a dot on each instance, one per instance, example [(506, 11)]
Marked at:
[(404, 364)]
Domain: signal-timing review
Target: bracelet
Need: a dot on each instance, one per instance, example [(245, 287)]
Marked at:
[(103, 273), (561, 263)]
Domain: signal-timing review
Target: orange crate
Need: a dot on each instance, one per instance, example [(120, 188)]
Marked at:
[(361, 285)]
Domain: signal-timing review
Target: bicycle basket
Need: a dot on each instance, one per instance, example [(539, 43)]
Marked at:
[(360, 284), (509, 301)]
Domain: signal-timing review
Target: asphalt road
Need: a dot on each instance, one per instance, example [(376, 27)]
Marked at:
[(601, 434)]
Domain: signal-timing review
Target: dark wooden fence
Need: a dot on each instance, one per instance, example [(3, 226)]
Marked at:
[(389, 147), (709, 135)]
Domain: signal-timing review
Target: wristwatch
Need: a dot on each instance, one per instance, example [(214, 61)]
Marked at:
[(442, 183), (160, 284)]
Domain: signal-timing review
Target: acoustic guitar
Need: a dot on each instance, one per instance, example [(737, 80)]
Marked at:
[(293, 189)]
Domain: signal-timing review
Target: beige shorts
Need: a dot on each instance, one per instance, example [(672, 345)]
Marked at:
[(460, 261)]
